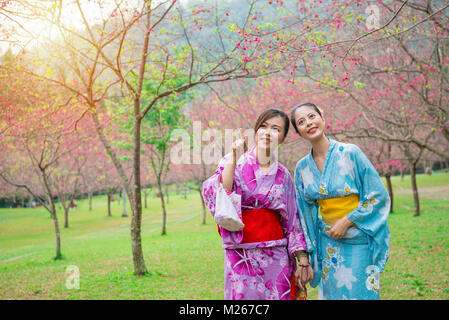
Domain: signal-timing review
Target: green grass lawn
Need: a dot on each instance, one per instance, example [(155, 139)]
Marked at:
[(187, 263), (437, 179)]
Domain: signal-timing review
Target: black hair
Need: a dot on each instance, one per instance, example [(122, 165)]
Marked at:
[(305, 104)]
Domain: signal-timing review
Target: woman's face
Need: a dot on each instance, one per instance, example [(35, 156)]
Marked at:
[(309, 123), (270, 133)]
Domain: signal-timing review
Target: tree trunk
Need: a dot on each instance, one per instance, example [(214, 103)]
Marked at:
[(414, 188), (53, 215), (145, 192), (134, 195), (90, 200), (66, 217), (112, 155), (109, 204), (66, 208), (48, 202), (204, 206), (166, 193), (124, 214), (58, 254), (390, 190), (164, 213), (136, 204)]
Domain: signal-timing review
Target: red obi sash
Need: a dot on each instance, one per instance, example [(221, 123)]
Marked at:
[(260, 225), (264, 225)]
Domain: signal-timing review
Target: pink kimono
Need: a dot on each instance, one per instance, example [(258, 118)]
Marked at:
[(259, 270)]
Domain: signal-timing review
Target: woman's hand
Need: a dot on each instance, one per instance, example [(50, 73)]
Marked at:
[(239, 147), (339, 228), (304, 273)]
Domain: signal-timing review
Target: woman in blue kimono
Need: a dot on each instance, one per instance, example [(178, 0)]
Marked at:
[(344, 206)]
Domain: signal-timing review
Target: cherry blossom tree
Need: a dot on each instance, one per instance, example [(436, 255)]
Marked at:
[(38, 139)]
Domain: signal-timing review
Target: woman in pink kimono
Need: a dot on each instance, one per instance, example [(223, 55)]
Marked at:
[(260, 260)]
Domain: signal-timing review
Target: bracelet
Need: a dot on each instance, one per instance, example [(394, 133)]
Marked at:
[(303, 265)]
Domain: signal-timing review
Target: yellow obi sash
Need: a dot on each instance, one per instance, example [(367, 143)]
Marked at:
[(334, 209)]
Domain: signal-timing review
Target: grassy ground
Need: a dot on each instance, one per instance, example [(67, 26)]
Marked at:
[(187, 263)]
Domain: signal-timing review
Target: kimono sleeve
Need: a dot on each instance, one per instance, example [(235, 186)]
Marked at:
[(293, 228), (308, 214), (372, 212), (210, 187)]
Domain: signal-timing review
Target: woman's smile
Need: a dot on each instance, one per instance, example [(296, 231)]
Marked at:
[(312, 130)]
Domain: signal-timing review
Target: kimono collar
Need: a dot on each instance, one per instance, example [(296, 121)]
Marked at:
[(252, 158), (332, 144)]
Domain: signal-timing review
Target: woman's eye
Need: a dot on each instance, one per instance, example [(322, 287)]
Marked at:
[(312, 116), (300, 122)]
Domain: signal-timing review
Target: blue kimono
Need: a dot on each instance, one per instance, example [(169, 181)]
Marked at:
[(350, 267)]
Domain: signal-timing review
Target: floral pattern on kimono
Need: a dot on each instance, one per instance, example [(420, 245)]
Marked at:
[(347, 268), (258, 270)]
